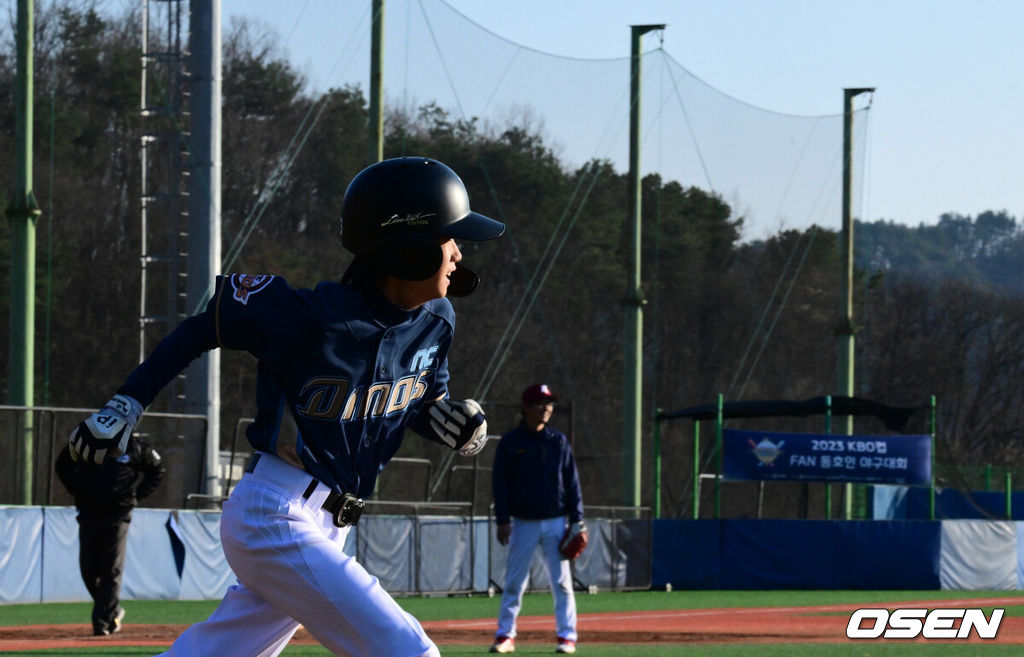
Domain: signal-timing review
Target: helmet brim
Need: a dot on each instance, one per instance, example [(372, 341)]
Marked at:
[(475, 227)]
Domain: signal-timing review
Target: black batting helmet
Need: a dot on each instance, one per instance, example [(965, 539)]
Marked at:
[(395, 210)]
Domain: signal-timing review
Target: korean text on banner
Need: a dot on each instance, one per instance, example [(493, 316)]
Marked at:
[(888, 459)]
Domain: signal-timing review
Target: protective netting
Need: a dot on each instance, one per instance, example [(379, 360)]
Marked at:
[(776, 170)]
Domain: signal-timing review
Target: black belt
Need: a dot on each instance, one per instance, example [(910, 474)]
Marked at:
[(345, 508)]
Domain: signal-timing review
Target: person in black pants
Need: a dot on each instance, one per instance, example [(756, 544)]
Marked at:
[(105, 496)]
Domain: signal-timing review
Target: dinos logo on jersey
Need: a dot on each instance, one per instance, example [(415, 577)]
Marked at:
[(245, 286), (333, 398)]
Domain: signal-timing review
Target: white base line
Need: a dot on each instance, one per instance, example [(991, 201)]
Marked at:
[(605, 617)]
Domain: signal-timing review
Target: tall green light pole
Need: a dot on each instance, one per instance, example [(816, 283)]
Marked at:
[(846, 329), (22, 212), (634, 301)]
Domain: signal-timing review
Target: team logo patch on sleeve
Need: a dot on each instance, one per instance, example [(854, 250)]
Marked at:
[(245, 285)]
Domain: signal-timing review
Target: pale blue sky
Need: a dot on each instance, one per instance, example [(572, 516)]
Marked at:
[(944, 131)]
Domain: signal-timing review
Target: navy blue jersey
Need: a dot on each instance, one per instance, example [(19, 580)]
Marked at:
[(535, 476), (340, 373)]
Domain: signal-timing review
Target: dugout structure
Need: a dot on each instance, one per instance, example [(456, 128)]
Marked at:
[(894, 419)]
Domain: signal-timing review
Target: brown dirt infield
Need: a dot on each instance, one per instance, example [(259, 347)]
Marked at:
[(820, 624)]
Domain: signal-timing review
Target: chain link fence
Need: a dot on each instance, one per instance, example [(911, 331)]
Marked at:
[(179, 439)]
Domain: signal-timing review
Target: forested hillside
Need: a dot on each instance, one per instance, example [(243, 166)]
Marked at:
[(987, 250), (940, 309)]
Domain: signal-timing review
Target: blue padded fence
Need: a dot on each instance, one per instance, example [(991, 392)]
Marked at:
[(837, 554)]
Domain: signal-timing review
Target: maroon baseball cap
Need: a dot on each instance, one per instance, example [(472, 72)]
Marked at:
[(538, 393)]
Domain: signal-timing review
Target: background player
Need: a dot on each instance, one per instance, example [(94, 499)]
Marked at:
[(105, 496), (536, 492), (342, 370)]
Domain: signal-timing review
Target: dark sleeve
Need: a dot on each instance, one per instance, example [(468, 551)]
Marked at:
[(258, 313), (499, 482), (190, 340), (443, 309), (571, 477), (420, 423), (246, 313), (152, 468), (65, 469)]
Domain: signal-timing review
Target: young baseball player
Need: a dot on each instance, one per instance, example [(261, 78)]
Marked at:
[(537, 498), (342, 369)]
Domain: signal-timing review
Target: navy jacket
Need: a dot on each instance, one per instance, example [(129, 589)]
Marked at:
[(117, 485), (535, 476)]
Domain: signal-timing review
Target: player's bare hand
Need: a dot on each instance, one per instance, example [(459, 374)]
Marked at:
[(460, 424), (105, 433), (504, 531)]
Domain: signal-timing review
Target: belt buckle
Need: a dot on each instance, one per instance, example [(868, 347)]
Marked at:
[(349, 510)]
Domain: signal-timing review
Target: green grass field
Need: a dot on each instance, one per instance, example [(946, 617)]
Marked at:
[(472, 607)]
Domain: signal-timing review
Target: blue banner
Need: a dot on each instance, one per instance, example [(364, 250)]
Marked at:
[(772, 456)]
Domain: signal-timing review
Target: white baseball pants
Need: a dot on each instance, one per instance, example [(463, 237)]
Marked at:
[(287, 555), (526, 536)]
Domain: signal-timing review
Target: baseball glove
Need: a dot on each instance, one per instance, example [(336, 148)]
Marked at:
[(574, 541)]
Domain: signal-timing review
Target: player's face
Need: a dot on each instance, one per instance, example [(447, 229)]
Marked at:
[(437, 285), (412, 294), (538, 413)]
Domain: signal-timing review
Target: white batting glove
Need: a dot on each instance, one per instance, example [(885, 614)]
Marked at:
[(105, 433), (461, 424)]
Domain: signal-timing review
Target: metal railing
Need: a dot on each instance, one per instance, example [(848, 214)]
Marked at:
[(613, 531), (179, 438), (457, 509)]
